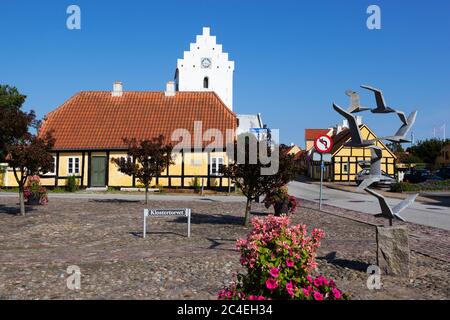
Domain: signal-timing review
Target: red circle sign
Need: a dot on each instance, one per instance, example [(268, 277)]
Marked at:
[(323, 144)]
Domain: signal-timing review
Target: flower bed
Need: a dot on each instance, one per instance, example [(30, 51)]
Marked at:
[(279, 259), (34, 192), (282, 202)]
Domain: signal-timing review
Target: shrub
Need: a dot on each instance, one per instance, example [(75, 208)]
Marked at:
[(280, 195), (279, 259), (196, 183), (71, 184), (430, 185), (35, 192)]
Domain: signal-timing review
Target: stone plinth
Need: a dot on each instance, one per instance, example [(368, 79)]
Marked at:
[(393, 251)]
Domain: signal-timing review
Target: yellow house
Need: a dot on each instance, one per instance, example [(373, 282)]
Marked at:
[(90, 127), (444, 156), (346, 161)]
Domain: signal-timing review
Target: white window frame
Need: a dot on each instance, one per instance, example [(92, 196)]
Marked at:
[(69, 169), (215, 165)]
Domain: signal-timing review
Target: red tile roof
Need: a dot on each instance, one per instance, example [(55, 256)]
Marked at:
[(312, 134), (97, 120)]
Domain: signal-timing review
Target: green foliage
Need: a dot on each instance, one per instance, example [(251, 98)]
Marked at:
[(255, 177), (196, 183), (14, 122), (433, 185), (72, 184), (428, 150), (151, 158), (279, 259)]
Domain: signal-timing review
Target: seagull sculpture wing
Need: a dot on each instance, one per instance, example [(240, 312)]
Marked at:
[(375, 168), (386, 210), (400, 135), (402, 117), (381, 104), (353, 125), (403, 205), (355, 105)]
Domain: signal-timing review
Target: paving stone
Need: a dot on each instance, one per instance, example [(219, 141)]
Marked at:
[(104, 238)]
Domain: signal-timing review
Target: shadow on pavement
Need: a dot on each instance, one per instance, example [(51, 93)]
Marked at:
[(350, 264)]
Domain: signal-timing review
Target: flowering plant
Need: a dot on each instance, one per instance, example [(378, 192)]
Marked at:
[(280, 196), (279, 259), (35, 192)]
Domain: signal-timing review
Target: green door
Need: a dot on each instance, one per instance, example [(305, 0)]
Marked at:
[(98, 171)]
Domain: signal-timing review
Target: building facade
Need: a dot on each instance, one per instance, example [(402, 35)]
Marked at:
[(347, 161), (90, 127), (205, 67)]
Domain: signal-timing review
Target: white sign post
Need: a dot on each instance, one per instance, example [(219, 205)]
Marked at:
[(167, 213), (323, 145)]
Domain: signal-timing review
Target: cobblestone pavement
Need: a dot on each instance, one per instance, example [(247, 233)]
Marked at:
[(104, 238)]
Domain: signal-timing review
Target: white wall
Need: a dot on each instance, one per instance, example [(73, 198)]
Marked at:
[(191, 73)]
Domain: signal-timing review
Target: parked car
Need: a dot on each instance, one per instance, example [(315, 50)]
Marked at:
[(444, 173), (420, 175), (385, 182)]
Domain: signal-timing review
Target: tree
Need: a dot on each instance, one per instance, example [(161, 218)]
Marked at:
[(26, 153), (29, 156), (14, 123), (248, 176), (428, 150), (146, 159)]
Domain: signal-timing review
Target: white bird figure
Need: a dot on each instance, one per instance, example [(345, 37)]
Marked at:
[(387, 211), (400, 135), (355, 105), (381, 104), (355, 132)]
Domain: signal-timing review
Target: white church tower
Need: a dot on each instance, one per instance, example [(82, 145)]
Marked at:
[(205, 67)]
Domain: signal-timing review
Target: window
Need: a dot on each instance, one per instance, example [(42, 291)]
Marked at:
[(73, 165), (53, 171), (345, 168), (206, 83), (216, 165)]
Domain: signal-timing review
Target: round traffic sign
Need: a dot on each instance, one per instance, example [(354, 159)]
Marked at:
[(323, 144)]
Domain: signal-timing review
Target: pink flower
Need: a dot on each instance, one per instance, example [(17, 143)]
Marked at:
[(309, 278), (274, 272), (317, 295), (290, 288), (336, 293), (306, 292), (289, 263), (271, 284)]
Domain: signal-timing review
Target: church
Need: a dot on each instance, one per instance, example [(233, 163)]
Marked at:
[(90, 126)]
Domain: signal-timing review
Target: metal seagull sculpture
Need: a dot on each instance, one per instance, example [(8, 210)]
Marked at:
[(381, 104), (375, 168), (400, 135), (355, 105), (392, 212), (355, 133)]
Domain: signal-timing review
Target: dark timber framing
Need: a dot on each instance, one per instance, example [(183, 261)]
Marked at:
[(86, 167)]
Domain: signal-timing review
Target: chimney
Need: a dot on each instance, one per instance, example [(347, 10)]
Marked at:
[(170, 89), (359, 120), (117, 89), (206, 31)]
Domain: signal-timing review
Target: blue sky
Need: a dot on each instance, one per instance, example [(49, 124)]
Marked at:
[(293, 58)]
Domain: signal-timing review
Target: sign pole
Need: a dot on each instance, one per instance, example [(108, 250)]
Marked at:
[(145, 222), (321, 181), (323, 144)]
